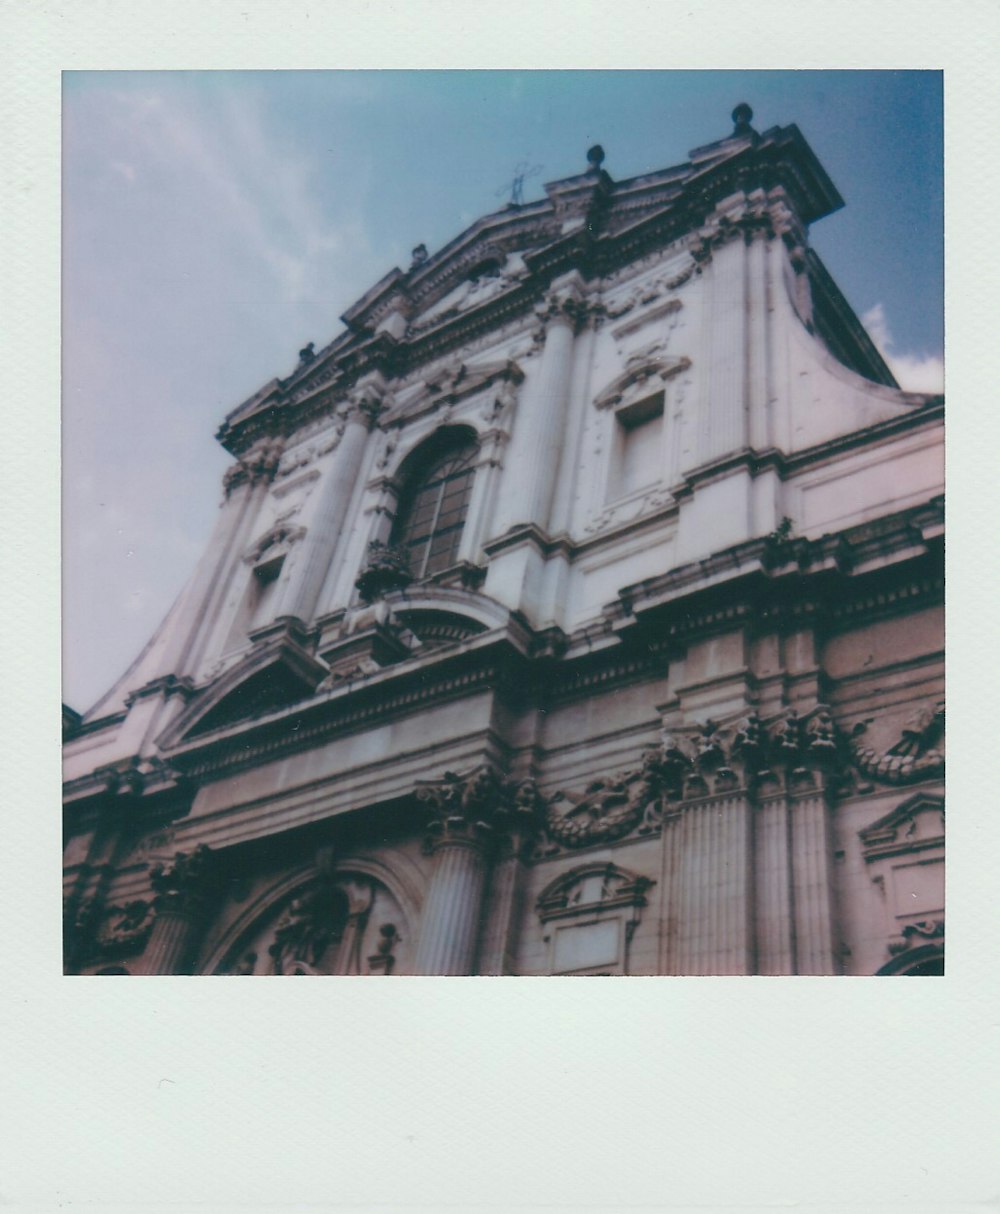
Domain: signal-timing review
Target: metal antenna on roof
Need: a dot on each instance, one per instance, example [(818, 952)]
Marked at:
[(515, 187)]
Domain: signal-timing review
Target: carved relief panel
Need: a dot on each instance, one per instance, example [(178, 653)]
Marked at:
[(347, 924), (904, 853), (589, 916)]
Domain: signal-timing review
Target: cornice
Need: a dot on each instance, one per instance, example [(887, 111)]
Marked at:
[(668, 205), (486, 660)]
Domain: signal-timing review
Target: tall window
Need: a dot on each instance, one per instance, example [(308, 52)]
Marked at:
[(433, 507)]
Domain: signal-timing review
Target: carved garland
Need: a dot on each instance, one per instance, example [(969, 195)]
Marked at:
[(711, 761), (918, 755)]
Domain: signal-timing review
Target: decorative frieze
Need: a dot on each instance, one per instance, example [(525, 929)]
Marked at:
[(792, 754)]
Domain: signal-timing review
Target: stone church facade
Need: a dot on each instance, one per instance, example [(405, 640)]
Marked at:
[(577, 610)]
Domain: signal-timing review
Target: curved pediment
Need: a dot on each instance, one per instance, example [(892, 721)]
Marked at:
[(640, 379), (476, 612), (596, 884), (274, 674)]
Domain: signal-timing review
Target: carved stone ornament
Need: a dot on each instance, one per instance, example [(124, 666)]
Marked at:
[(181, 883), (368, 400), (303, 454), (278, 539), (308, 926), (918, 755), (479, 807), (387, 568), (794, 754), (259, 464), (383, 961), (916, 934), (127, 928), (591, 886), (608, 807), (649, 290)]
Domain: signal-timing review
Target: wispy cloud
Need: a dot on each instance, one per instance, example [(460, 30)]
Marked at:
[(230, 162), (915, 372)]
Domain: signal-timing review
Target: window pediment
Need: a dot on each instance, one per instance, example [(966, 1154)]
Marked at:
[(642, 378), (915, 824), (275, 674)]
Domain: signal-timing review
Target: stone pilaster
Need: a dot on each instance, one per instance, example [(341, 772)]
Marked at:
[(670, 887), (210, 601), (775, 937), (812, 879), (723, 415), (499, 944), (183, 888), (794, 848), (312, 558), (531, 471)]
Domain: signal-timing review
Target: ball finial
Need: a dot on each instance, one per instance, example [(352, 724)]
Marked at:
[(742, 117), (595, 157)]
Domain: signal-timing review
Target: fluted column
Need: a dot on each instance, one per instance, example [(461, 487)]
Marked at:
[(812, 879), (451, 918), (671, 888), (466, 814), (775, 939), (717, 929), (183, 888), (311, 560), (531, 471)]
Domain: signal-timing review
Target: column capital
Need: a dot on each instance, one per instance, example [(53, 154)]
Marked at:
[(478, 808), (367, 399), (181, 885), (257, 465), (567, 299)]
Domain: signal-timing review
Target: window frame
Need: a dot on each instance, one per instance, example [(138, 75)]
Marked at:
[(433, 474)]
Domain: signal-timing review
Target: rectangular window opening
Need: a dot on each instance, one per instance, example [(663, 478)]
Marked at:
[(637, 448)]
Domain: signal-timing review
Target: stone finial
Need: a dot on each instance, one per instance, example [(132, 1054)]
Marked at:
[(307, 353), (419, 256), (595, 157), (742, 117)]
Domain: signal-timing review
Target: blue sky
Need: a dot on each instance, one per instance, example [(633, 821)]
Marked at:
[(214, 222)]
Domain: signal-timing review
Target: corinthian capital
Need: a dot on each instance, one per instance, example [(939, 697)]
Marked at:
[(182, 883), (567, 299), (367, 399), (258, 464), (479, 807)]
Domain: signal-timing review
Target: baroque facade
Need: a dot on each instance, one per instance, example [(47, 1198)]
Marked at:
[(576, 610)]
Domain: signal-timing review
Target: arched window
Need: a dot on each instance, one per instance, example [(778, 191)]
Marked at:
[(434, 502)]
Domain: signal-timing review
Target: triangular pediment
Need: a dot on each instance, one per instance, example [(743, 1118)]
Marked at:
[(276, 673)]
